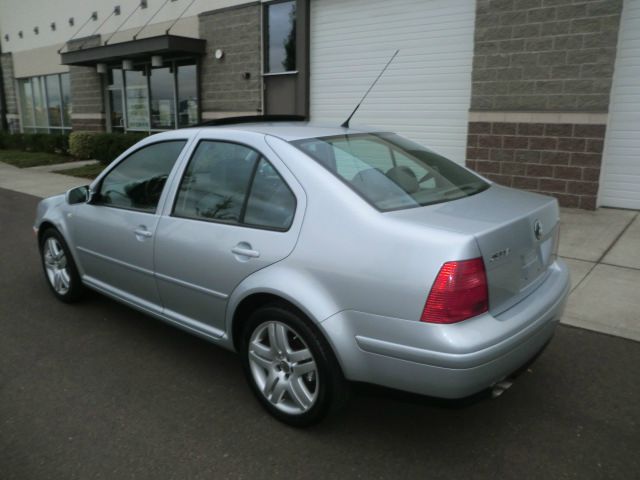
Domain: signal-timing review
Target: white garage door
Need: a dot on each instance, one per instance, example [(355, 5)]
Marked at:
[(425, 93), (620, 180)]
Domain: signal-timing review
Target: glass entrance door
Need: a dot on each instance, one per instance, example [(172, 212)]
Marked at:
[(137, 99)]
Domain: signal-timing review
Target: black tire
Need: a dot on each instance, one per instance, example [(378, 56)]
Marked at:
[(332, 388), (75, 289)]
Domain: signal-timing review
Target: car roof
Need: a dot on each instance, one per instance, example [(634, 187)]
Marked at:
[(291, 131)]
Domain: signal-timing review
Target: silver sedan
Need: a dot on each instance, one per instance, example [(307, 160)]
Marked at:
[(323, 255)]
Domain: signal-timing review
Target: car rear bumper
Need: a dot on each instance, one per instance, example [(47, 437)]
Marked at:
[(448, 361)]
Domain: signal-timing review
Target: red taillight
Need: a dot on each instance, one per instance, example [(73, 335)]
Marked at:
[(459, 292)]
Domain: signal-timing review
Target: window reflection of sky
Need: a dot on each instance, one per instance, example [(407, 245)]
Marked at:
[(280, 25)]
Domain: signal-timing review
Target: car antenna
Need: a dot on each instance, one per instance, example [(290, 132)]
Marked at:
[(346, 122)]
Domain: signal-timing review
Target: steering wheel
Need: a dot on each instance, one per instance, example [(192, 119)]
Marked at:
[(153, 187)]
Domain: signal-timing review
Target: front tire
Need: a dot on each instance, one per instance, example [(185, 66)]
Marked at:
[(59, 268), (290, 367)]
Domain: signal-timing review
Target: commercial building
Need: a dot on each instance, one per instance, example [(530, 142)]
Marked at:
[(536, 94)]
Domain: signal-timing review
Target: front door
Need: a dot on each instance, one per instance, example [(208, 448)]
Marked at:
[(114, 235), (233, 215)]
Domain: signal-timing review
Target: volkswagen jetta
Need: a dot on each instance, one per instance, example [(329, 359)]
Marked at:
[(322, 255)]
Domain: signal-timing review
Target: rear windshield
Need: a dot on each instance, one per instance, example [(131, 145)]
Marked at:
[(391, 172)]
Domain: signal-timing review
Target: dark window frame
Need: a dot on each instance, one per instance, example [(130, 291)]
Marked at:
[(173, 63), (265, 39), (98, 188), (240, 222), (33, 126)]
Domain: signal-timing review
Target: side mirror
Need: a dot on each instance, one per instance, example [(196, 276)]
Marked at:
[(79, 195)]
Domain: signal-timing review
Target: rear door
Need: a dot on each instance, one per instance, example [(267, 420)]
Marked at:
[(236, 210)]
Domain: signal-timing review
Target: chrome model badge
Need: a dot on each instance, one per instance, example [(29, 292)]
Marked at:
[(537, 229), (500, 254)]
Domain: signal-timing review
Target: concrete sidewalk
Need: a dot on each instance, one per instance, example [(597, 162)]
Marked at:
[(36, 182), (602, 249)]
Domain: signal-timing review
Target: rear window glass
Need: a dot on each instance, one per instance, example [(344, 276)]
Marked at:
[(391, 172)]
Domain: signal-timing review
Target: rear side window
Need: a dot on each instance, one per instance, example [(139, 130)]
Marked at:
[(136, 183), (232, 183), (216, 182), (391, 172), (270, 203)]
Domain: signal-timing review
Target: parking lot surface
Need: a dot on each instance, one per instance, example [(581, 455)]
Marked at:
[(97, 390)]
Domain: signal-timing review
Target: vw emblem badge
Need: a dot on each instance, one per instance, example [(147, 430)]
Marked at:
[(537, 229)]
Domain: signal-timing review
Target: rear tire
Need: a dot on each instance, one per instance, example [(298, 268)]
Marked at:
[(290, 366), (59, 268)]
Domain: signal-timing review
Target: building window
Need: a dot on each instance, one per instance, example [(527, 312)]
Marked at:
[(152, 99), (280, 42), (163, 104), (137, 99), (187, 96), (45, 103)]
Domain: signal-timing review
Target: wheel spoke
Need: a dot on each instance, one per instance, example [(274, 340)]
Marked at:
[(64, 279), (269, 384), (53, 248), (278, 337), (262, 350), (299, 393), (257, 358), (302, 368), (278, 390), (300, 355), (57, 277)]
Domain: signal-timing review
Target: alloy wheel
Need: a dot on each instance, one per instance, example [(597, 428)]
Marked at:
[(55, 262), (283, 368)]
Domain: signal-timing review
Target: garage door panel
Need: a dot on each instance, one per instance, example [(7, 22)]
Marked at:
[(620, 179), (424, 95)]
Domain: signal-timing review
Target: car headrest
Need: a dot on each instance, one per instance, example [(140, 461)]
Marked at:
[(404, 177)]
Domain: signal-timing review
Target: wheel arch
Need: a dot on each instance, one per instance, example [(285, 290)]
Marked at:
[(250, 304), (43, 227), (286, 286)]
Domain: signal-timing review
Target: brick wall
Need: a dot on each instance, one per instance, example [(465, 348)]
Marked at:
[(87, 97), (556, 159), (553, 59), (544, 55), (236, 31)]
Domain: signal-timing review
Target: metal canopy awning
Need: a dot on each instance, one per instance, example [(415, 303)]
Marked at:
[(143, 48)]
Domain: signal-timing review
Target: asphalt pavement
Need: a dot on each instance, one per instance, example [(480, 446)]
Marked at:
[(97, 390)]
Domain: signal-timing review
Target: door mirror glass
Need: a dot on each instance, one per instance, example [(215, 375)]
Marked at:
[(78, 195)]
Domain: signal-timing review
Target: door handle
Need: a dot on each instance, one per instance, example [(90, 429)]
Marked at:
[(243, 249), (143, 232)]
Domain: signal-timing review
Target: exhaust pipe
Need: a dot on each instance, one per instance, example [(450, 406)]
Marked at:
[(500, 387)]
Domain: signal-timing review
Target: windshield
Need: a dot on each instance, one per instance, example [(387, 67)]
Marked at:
[(391, 172)]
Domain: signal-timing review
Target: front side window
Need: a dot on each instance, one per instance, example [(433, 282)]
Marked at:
[(232, 183), (391, 172), (137, 182), (281, 37)]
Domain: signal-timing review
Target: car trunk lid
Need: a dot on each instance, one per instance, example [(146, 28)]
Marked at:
[(516, 233)]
